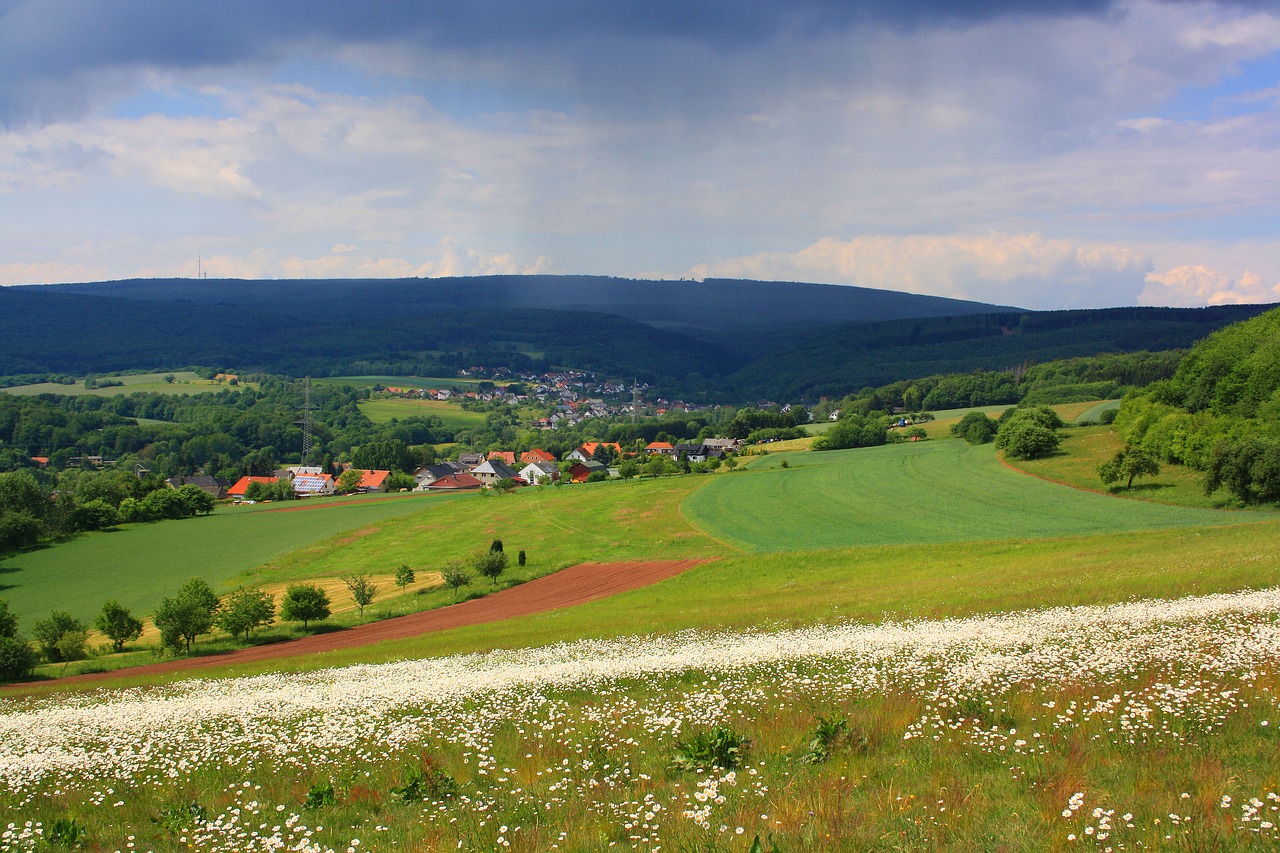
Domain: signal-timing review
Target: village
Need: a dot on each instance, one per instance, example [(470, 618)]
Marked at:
[(501, 470)]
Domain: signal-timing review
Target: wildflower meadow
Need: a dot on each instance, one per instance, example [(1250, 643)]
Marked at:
[(1143, 725)]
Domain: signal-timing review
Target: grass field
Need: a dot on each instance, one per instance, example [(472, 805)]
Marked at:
[(382, 411), (917, 492), (139, 565), (994, 724), (184, 383)]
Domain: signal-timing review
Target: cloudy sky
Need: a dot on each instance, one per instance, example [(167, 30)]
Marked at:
[(1042, 153)]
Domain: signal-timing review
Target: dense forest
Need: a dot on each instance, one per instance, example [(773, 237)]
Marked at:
[(1220, 411), (713, 342)]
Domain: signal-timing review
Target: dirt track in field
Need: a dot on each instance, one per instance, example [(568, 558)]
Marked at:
[(566, 588)]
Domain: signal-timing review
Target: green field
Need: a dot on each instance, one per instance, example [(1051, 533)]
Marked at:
[(385, 410), (184, 382), (1020, 729), (138, 565), (899, 494)]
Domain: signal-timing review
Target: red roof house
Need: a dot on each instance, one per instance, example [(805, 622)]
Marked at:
[(455, 482), (373, 481), (537, 454), (242, 485)]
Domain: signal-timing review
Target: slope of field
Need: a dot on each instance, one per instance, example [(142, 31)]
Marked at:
[(932, 491), (138, 565), (453, 416), (184, 382)]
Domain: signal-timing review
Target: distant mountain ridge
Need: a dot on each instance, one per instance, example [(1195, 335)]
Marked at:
[(717, 340), (710, 305)]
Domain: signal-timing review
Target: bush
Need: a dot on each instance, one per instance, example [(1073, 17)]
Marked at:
[(975, 428), (17, 658), (492, 565), (61, 637), (720, 747)]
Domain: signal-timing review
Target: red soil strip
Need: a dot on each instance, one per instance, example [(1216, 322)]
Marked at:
[(566, 588)]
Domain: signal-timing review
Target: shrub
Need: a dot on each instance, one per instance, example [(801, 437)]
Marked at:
[(492, 565), (319, 795), (61, 637), (426, 781), (828, 736), (720, 747), (17, 658), (975, 428)]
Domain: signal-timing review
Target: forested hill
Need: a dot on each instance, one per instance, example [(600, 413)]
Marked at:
[(698, 306), (833, 360), (723, 341)]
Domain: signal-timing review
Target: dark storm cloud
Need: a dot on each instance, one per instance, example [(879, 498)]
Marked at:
[(57, 56)]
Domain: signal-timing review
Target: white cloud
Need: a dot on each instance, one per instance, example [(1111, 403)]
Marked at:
[(1196, 285), (1026, 270), (52, 272)]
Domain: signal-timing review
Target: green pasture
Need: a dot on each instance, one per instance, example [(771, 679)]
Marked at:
[(1084, 448), (184, 382), (139, 564), (1093, 413), (385, 410), (555, 526), (917, 492)]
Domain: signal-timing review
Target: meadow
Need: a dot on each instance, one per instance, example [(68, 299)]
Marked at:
[(139, 564), (913, 492), (185, 382), (1053, 670), (454, 417)]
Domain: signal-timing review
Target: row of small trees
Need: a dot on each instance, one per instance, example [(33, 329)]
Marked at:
[(195, 609)]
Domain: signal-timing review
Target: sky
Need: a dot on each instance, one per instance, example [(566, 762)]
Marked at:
[(1040, 153)]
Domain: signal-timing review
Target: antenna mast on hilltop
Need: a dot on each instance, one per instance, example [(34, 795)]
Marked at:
[(308, 440)]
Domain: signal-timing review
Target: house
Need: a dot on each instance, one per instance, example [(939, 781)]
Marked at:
[(587, 451), (582, 470), (242, 485), (295, 470), (728, 445), (455, 483), (212, 485), (428, 474), (493, 470), (538, 471), (660, 448), (507, 456), (470, 460), (373, 481), (537, 454), (314, 485), (695, 452)]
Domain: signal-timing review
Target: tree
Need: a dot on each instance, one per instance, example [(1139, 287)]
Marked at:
[(349, 479), (628, 469), (61, 637), (455, 577), (362, 589), (17, 658), (496, 545), (975, 428), (118, 625), (187, 615), (1024, 439), (196, 500), (492, 565), (1129, 462), (404, 577), (304, 602), (8, 620), (520, 559), (246, 609)]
